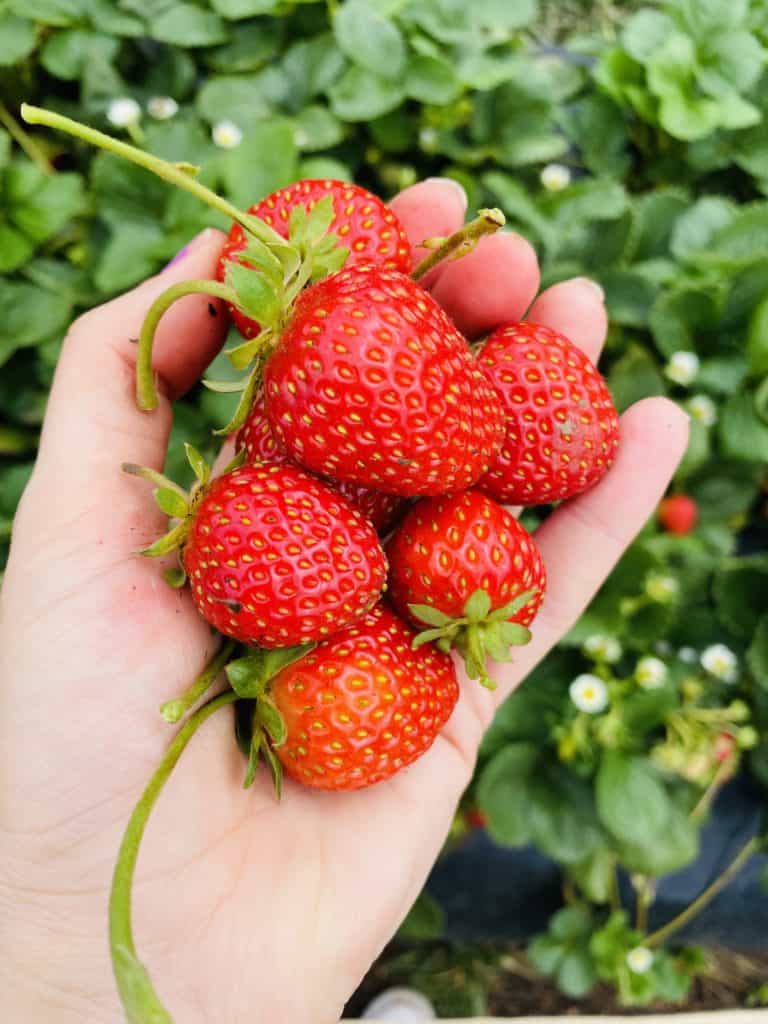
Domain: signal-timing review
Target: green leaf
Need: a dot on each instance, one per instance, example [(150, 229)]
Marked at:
[(42, 213), (561, 815), (595, 874), (743, 435), (236, 9), (51, 12), (696, 227), (368, 39), (67, 53), (739, 588), (15, 248), (757, 654), (263, 162), (129, 256), (502, 793), (576, 975), (431, 80), (273, 722), (431, 616), (29, 316), (631, 800), (757, 340), (256, 296), (635, 376), (424, 921), (545, 954), (723, 489), (317, 128), (17, 39), (478, 606), (645, 33), (197, 463), (661, 853), (188, 25), (360, 95)]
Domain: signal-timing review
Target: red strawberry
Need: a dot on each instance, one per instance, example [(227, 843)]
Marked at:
[(562, 430), (678, 514), (275, 558), (257, 438), (371, 383), (362, 705), (464, 566), (362, 223)]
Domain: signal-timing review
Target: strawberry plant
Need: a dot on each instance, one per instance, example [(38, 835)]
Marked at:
[(632, 152)]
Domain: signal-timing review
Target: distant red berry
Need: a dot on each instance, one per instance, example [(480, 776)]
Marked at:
[(678, 514), (562, 429)]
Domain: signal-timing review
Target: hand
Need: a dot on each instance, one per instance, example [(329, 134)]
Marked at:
[(245, 910)]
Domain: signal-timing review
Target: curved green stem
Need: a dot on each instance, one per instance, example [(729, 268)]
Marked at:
[(146, 392), (173, 710), (174, 173), (701, 901), (463, 241), (141, 1003), (25, 141)]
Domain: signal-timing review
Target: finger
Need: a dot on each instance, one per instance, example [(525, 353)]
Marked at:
[(434, 208), (491, 285), (576, 308), (92, 423), (584, 538)]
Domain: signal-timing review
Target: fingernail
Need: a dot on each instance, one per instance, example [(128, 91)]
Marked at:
[(460, 190), (189, 247), (587, 282)]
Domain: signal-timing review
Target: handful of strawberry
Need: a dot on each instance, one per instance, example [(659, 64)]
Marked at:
[(360, 402)]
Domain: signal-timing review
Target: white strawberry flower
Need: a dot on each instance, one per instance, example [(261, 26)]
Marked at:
[(660, 588), (650, 672), (226, 135), (162, 108), (721, 662), (702, 409), (688, 655), (124, 112), (589, 693), (602, 648), (555, 177), (683, 367), (639, 960)]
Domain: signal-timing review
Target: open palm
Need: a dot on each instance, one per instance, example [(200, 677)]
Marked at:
[(245, 910)]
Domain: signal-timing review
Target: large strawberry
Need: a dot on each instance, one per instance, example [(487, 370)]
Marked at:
[(371, 383), (362, 223), (562, 430), (275, 558), (257, 439), (462, 565), (361, 705)]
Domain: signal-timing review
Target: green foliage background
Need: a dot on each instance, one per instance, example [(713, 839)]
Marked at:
[(659, 113)]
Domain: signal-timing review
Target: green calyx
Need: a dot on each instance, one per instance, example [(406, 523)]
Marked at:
[(264, 728), (478, 635), (179, 505)]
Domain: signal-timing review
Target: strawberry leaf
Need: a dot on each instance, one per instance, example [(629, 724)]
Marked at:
[(267, 715), (253, 759), (175, 577), (256, 296), (171, 503), (275, 769), (248, 676), (513, 606), (200, 467)]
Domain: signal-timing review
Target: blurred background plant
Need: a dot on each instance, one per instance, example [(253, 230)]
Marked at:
[(628, 143)]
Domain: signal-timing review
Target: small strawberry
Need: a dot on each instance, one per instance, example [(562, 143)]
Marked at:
[(464, 566), (274, 557), (361, 705), (371, 383), (678, 514), (562, 430), (362, 223), (256, 438)]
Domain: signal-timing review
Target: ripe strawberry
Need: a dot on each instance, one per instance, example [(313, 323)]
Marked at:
[(562, 430), (362, 223), (362, 705), (257, 438), (678, 514), (371, 383), (275, 558), (464, 566)]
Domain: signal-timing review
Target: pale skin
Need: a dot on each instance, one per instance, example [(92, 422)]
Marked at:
[(245, 910)]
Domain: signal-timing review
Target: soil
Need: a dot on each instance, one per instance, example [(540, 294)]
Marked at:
[(485, 980)]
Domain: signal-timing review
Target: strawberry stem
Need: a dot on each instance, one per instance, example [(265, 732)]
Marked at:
[(173, 710), (462, 241), (137, 993), (176, 174), (24, 141), (146, 390)]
